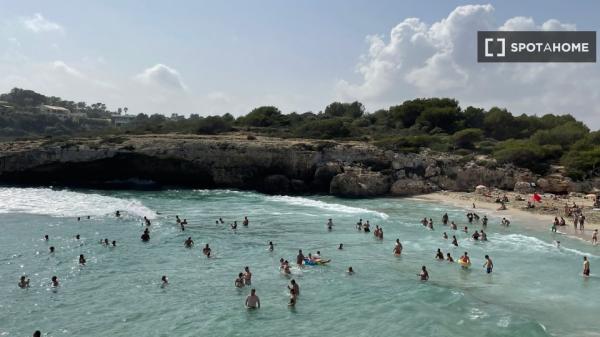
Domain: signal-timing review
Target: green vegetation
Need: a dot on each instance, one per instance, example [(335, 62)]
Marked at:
[(437, 123)]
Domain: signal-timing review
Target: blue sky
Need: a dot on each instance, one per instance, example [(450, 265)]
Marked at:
[(230, 56)]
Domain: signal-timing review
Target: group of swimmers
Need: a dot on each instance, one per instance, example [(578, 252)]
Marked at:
[(245, 278)]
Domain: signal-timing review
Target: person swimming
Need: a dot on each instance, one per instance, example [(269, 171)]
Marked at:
[(454, 241), (51, 249), (366, 227), (118, 214), (55, 282), (449, 258), (445, 236), (46, 237), (24, 282), (165, 281), (359, 224), (206, 250), (105, 243), (466, 230), (424, 274), (350, 271), (475, 236), (81, 260), (271, 248), (147, 221), (483, 235), (329, 224), (146, 235), (188, 243), (445, 219), (453, 226), (246, 222), (221, 221), (37, 333), (465, 259), (239, 281), (114, 243), (177, 220), (233, 225), (341, 246), (439, 255), (77, 237)]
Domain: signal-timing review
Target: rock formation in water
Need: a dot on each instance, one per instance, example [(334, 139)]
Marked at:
[(270, 165)]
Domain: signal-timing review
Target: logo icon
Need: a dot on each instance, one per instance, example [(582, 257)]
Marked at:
[(502, 42)]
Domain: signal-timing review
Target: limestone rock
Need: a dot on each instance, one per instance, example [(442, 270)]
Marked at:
[(406, 187), (359, 184)]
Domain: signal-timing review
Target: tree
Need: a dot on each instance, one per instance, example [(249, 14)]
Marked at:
[(467, 138), (262, 116), (351, 110), (499, 124)]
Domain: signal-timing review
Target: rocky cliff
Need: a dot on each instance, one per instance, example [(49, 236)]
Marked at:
[(270, 165)]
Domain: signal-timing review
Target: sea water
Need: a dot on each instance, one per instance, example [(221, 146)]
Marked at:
[(536, 289)]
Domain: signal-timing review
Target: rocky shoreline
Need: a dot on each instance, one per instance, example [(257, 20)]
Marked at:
[(269, 165)]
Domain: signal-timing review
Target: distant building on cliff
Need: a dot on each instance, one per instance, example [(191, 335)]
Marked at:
[(121, 120), (61, 113)]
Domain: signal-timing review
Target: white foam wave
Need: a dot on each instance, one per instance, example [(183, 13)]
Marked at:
[(66, 203), (299, 201), (533, 243)]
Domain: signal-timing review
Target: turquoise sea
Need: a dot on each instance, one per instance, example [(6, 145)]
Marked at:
[(536, 289)]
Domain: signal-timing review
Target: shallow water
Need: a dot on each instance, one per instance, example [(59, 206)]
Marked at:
[(535, 289)]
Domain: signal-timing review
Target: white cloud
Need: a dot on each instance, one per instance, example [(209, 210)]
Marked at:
[(439, 59), (39, 24), (162, 76), (62, 67)]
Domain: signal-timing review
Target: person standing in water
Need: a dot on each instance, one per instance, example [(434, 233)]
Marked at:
[(445, 219), (239, 281), (293, 286), (206, 250), (454, 241), (252, 301), (81, 260), (246, 222), (439, 255), (397, 248), (424, 275), (165, 281), (300, 258), (595, 237), (329, 224), (24, 282), (247, 276), (188, 243), (484, 221), (488, 264), (586, 266), (341, 246), (55, 282), (271, 246), (449, 258)]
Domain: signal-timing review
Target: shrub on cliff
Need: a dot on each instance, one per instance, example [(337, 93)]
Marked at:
[(408, 143), (583, 160), (262, 116), (324, 129), (466, 139), (213, 125), (525, 153)]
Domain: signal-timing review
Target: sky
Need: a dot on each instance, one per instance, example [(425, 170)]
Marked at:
[(214, 57)]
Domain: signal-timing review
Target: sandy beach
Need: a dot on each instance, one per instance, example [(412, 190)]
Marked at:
[(542, 215)]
